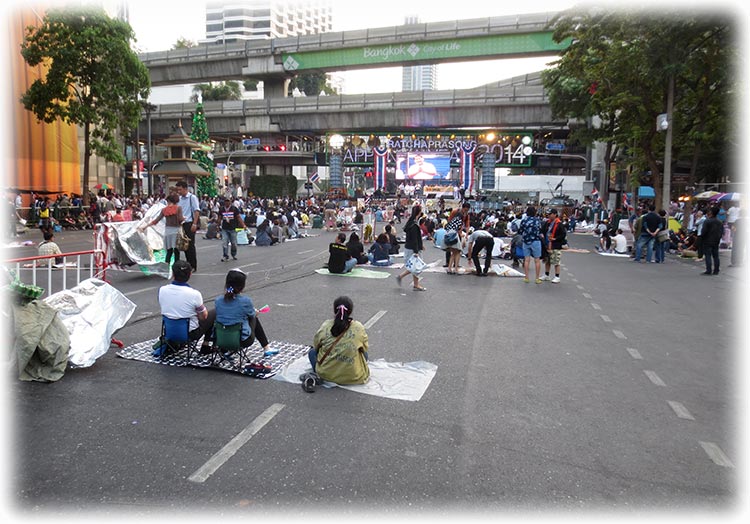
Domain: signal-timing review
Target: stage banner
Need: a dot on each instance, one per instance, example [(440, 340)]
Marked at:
[(379, 167), (467, 166)]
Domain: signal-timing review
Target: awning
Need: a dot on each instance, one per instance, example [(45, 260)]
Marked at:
[(646, 192)]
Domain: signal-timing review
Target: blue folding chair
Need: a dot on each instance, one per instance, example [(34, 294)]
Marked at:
[(175, 337)]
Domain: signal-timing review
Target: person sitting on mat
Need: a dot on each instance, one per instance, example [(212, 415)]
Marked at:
[(339, 352), (233, 308)]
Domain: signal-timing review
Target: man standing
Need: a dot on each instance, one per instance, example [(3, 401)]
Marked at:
[(650, 226), (191, 210), (479, 240), (555, 240), (711, 238), (230, 221), (530, 230)]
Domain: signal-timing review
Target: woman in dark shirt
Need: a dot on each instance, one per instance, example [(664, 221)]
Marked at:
[(356, 249), (413, 244)]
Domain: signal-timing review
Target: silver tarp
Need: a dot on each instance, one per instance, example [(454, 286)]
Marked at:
[(92, 312)]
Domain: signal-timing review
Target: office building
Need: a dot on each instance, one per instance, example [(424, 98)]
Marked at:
[(421, 77), (236, 21)]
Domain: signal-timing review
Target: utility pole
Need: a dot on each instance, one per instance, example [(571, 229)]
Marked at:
[(667, 188)]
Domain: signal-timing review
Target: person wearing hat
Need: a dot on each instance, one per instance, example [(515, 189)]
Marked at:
[(179, 300), (231, 220), (555, 240)]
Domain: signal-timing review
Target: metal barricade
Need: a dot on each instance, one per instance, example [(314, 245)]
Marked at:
[(68, 274)]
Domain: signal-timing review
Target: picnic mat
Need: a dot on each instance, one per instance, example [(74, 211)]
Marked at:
[(396, 380), (356, 272), (575, 250), (142, 351), (623, 255)]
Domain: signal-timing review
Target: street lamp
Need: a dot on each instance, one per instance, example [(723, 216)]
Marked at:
[(336, 161)]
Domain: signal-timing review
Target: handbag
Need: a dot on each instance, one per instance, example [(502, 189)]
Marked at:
[(662, 235), (451, 237), (415, 265), (182, 242)]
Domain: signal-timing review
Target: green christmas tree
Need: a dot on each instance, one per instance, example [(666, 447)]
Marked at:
[(205, 184)]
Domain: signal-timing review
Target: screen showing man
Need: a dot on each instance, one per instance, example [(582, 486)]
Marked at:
[(422, 166)]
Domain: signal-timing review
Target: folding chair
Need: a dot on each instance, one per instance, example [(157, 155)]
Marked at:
[(228, 341), (175, 333)]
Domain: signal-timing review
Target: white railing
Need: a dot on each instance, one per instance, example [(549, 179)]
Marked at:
[(42, 269)]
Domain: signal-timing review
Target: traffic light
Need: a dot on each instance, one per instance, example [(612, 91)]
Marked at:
[(266, 148), (368, 174), (282, 147)]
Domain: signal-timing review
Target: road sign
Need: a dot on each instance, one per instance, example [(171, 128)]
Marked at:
[(308, 185), (251, 141), (554, 146)]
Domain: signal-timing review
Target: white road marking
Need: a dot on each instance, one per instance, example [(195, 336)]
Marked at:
[(581, 287), (634, 353), (680, 410), (596, 306), (715, 453), (605, 318), (306, 251), (619, 334), (654, 378), (225, 453), (377, 316), (574, 280), (138, 291), (586, 295)]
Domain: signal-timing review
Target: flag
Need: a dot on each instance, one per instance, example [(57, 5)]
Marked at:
[(558, 186), (626, 202), (467, 165), (379, 160), (595, 195), (314, 177)]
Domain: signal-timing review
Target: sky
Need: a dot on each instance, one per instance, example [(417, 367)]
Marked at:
[(187, 20)]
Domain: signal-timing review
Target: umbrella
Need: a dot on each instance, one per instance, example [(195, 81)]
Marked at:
[(717, 197), (103, 186), (706, 195), (731, 197)]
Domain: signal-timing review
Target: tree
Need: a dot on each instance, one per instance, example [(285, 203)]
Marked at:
[(183, 43), (312, 84), (618, 67), (93, 78), (215, 92), (199, 133)]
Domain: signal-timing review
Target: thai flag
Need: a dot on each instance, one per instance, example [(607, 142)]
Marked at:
[(625, 201), (595, 195), (380, 154), (314, 177), (467, 166)]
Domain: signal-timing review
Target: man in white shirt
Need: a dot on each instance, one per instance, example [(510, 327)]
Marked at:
[(620, 243), (179, 300)]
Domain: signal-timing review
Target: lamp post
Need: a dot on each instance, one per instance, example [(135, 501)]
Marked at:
[(336, 161), (149, 149)]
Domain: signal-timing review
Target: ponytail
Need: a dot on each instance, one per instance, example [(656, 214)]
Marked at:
[(342, 310), (234, 284)]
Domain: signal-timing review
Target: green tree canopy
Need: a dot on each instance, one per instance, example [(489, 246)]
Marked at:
[(312, 84), (217, 91), (618, 68), (93, 79)]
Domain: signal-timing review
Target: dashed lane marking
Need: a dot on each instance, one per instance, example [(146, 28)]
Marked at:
[(619, 334), (605, 318), (715, 453), (596, 306), (242, 438), (586, 295), (377, 316), (634, 353), (654, 378), (680, 410)]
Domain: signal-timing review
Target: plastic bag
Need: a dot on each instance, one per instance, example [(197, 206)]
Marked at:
[(415, 265)]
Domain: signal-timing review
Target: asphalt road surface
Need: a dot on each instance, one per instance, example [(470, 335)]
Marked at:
[(615, 390)]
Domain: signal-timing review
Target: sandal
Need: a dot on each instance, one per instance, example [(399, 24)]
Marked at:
[(420, 288)]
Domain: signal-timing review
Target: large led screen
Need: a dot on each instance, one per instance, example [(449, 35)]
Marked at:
[(423, 166)]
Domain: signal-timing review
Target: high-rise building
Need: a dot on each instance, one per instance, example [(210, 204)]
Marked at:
[(235, 21), (421, 77)]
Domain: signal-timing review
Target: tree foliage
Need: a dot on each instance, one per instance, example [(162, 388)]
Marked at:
[(183, 43), (312, 84), (199, 132), (618, 69), (93, 78), (230, 90)]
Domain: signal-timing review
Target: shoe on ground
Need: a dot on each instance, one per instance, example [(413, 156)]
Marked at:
[(234, 257), (555, 280), (224, 259), (398, 279), (525, 280), (545, 278), (716, 272), (538, 281), (706, 273), (420, 288)]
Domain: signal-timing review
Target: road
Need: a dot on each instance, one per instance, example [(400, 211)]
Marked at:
[(615, 390)]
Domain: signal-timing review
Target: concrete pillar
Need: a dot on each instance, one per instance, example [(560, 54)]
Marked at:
[(275, 88)]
